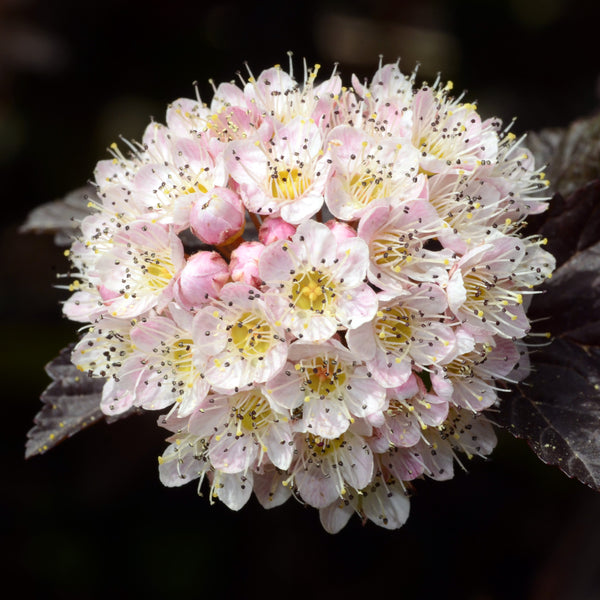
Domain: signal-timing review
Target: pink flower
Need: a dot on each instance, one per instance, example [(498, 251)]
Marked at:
[(334, 362), (450, 135), (411, 410), (276, 94)]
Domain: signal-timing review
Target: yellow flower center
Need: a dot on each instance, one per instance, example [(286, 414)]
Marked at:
[(251, 411), (392, 327), (323, 376), (310, 292), (251, 335), (159, 273), (288, 184), (366, 187), (182, 355), (393, 251)]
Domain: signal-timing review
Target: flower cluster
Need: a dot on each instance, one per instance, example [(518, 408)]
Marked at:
[(354, 299)]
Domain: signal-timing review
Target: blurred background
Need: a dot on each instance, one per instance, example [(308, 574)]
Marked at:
[(90, 518)]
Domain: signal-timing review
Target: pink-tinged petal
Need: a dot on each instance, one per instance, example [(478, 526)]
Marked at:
[(387, 506), (405, 464), (473, 394), (228, 375), (280, 446), (149, 334), (357, 306), (233, 490), (335, 516), (118, 395), (283, 391), (365, 396), (226, 95), (457, 294), (432, 409), (357, 468), (325, 418), (275, 263), (376, 419), (190, 402), (233, 454), (180, 465), (501, 360), (341, 231), (438, 460), (318, 240), (247, 164), (151, 394), (84, 307), (209, 418), (312, 328), (354, 260), (303, 208), (315, 487), (361, 341), (269, 488), (401, 430), (476, 435), (208, 340), (339, 201), (406, 390), (387, 371)]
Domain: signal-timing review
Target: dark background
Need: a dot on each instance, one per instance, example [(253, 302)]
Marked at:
[(90, 518)]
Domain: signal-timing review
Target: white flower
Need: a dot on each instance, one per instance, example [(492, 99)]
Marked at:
[(316, 284), (329, 386), (238, 339), (406, 332)]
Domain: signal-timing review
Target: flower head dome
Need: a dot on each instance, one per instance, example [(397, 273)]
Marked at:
[(322, 288)]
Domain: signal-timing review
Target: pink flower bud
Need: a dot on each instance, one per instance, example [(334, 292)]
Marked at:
[(244, 263), (341, 231), (218, 217), (275, 228), (201, 279)]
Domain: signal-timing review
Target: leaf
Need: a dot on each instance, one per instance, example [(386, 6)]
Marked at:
[(572, 154), (571, 304), (61, 217), (572, 225), (71, 403), (557, 410)]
